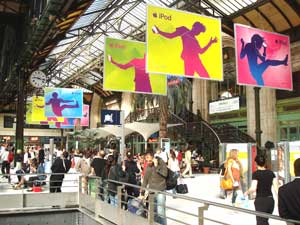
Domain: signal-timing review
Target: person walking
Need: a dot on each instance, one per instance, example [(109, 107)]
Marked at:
[(19, 159), (155, 178), (262, 180), (234, 172), (84, 167), (188, 162), (161, 153), (132, 170), (26, 157), (5, 168), (289, 196), (61, 165), (98, 169), (116, 173), (179, 158), (173, 165)]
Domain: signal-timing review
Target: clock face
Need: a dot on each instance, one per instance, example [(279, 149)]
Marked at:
[(38, 79)]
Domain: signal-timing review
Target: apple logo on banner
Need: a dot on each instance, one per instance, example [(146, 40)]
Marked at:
[(154, 15)]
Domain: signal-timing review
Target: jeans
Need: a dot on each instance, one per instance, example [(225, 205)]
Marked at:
[(160, 209), (177, 173), (113, 200), (6, 169)]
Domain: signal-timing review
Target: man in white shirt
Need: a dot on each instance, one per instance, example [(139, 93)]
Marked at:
[(5, 169), (161, 154)]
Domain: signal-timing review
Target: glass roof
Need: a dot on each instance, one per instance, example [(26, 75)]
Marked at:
[(78, 56)]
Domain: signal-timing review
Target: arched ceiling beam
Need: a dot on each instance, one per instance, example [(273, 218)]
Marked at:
[(282, 13), (248, 20), (266, 18), (248, 8), (294, 5)]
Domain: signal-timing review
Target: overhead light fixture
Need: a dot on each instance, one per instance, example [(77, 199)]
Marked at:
[(111, 102)]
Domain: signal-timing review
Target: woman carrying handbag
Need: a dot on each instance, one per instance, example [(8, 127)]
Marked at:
[(173, 165)]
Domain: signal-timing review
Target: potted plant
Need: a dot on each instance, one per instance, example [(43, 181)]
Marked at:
[(206, 167)]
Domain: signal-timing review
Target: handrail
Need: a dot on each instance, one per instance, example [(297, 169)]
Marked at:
[(209, 127), (177, 117), (206, 203), (202, 201), (39, 174)]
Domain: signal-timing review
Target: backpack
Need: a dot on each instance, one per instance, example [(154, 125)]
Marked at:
[(121, 176), (171, 180)]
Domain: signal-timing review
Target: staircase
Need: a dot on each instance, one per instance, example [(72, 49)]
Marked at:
[(204, 136)]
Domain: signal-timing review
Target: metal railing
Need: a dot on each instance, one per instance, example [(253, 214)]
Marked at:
[(197, 215), (37, 195), (93, 195)]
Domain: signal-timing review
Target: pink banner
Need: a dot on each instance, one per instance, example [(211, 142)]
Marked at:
[(85, 119), (72, 122), (262, 58)]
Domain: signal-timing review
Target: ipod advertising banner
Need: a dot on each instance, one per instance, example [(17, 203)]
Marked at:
[(63, 102), (124, 69), (183, 44), (72, 122), (262, 58), (38, 111)]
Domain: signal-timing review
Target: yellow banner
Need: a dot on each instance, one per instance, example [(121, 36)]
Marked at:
[(294, 154), (38, 111), (183, 44), (29, 115)]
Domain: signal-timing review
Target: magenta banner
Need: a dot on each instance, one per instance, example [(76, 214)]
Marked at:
[(85, 119), (262, 58), (70, 123)]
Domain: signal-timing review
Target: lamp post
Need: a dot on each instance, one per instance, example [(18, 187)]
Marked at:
[(20, 109), (258, 130)]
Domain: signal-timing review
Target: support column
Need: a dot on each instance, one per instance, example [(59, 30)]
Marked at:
[(95, 111), (201, 96), (268, 114), (126, 104), (62, 139), (20, 110)]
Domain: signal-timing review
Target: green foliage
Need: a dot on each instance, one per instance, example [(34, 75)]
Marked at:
[(87, 138), (178, 96)]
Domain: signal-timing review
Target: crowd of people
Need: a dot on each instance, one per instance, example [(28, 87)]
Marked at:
[(148, 170)]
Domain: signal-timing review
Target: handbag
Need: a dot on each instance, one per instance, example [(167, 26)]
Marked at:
[(136, 206), (182, 188), (226, 183)]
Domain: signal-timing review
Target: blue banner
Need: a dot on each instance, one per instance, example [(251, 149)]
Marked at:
[(110, 117), (63, 102)]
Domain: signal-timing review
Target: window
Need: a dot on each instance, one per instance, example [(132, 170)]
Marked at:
[(293, 134), (289, 133), (8, 122), (283, 134)]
